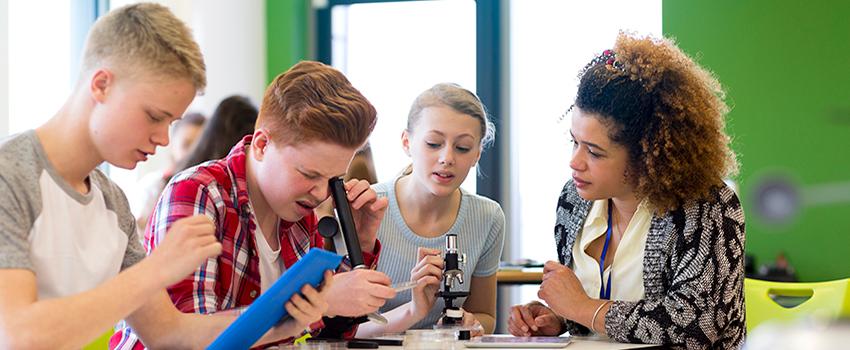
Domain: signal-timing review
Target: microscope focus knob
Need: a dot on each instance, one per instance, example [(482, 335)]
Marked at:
[(328, 227)]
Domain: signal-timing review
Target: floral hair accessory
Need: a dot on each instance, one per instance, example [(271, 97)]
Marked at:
[(609, 58)]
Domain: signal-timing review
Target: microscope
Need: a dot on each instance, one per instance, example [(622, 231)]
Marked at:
[(343, 235), (452, 315)]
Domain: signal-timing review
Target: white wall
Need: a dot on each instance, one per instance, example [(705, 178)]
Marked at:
[(232, 36)]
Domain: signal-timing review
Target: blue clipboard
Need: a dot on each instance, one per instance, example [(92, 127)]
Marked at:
[(268, 310)]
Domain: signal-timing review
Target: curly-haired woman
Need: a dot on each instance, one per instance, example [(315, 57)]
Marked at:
[(650, 240)]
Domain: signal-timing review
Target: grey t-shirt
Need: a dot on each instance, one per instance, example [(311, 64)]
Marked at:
[(71, 241), (480, 229)]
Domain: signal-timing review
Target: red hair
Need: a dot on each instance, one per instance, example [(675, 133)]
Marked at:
[(315, 102)]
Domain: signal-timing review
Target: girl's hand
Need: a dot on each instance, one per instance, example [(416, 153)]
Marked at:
[(427, 274)]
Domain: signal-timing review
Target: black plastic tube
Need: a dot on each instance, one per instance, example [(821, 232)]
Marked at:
[(346, 221)]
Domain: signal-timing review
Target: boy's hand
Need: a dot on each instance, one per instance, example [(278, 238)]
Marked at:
[(189, 242), (304, 309), (368, 211), (533, 319), (427, 273), (358, 292)]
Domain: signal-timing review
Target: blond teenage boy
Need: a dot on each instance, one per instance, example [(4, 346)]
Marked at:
[(67, 239)]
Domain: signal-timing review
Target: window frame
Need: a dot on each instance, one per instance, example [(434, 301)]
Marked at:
[(490, 85)]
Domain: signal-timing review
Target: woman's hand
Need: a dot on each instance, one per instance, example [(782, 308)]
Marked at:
[(561, 290), (532, 319)]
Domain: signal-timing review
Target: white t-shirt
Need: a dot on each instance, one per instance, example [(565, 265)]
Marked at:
[(72, 242), (271, 264)]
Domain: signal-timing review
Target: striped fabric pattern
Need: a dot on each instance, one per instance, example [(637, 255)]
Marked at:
[(480, 228)]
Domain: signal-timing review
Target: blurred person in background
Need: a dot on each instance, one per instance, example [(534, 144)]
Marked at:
[(234, 117)]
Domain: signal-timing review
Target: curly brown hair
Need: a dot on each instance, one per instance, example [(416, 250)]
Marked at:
[(668, 112)]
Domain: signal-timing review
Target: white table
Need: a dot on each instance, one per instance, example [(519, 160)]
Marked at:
[(584, 343), (578, 343)]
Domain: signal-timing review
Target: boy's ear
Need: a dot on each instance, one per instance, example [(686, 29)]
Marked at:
[(259, 142), (405, 142), (100, 84)]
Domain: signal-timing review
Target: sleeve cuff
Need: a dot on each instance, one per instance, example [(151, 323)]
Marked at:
[(315, 327), (371, 258)]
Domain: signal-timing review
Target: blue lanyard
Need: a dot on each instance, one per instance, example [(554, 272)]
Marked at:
[(605, 290)]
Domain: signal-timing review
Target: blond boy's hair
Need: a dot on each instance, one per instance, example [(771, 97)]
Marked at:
[(145, 38)]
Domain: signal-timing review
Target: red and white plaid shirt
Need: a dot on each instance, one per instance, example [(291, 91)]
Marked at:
[(219, 190)]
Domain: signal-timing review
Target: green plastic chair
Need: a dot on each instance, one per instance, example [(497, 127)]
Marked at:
[(783, 301), (101, 342)]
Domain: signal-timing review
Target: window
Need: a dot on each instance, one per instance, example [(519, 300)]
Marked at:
[(39, 55), (391, 52)]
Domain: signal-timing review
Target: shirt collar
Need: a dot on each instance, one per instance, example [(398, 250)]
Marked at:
[(596, 223), (236, 163)]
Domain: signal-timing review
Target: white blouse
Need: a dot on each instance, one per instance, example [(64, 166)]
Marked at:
[(626, 270)]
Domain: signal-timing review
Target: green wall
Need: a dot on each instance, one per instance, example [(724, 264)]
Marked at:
[(287, 35), (786, 67)]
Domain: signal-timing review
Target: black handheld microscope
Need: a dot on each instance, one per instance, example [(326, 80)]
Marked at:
[(452, 315), (343, 234)]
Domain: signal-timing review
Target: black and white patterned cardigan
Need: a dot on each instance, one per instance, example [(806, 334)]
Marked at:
[(693, 274)]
